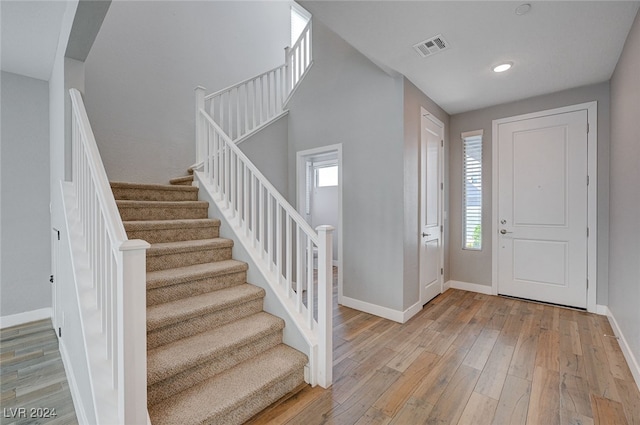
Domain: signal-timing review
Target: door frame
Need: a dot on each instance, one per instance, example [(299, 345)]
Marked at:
[(301, 176), (425, 114), (592, 193)]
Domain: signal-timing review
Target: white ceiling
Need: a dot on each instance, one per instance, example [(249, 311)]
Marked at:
[(557, 45), (30, 31)]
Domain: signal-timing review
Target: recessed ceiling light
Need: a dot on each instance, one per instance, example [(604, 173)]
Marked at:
[(502, 67), (523, 9)]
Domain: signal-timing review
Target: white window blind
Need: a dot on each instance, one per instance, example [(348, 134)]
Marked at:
[(472, 190)]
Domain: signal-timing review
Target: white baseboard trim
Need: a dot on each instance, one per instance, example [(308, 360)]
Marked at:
[(384, 312), (26, 317), (602, 310), (81, 415), (626, 350), (466, 286)]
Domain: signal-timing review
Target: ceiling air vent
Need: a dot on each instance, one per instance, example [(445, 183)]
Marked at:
[(431, 46)]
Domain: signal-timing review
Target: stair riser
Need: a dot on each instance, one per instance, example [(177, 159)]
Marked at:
[(250, 407), (175, 235), (164, 213), (193, 288), (135, 194), (210, 367), (205, 322), (183, 259)]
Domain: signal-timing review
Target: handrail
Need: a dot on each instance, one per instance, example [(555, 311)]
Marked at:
[(300, 221), (111, 269), (243, 82), (282, 243)]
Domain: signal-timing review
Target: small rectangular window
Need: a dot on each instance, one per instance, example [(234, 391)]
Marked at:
[(327, 176), (299, 20), (472, 190)]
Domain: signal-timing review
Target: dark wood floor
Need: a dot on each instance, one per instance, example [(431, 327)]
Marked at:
[(33, 381), (469, 358)]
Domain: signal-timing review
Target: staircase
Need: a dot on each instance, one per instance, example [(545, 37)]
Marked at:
[(213, 355)]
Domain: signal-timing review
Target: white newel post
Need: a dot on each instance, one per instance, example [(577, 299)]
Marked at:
[(199, 124), (325, 305), (132, 331)]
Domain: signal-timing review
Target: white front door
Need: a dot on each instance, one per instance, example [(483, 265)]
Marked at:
[(430, 207), (542, 208)]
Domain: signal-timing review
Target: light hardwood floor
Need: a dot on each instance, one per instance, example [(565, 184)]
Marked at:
[(33, 381), (474, 359)]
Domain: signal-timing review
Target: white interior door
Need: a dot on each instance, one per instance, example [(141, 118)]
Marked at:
[(430, 207), (542, 208)]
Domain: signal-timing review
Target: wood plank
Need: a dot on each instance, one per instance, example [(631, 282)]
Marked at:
[(451, 404), (495, 371), (479, 410), (284, 411), (572, 418), (524, 356), (548, 355), (607, 412), (544, 404), (630, 398), (359, 402), (514, 402), (433, 385), (481, 349), (373, 416), (413, 412), (617, 363), (599, 377), (398, 394), (347, 385), (574, 395), (318, 412)]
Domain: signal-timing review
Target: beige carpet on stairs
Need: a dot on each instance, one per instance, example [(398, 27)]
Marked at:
[(213, 355)]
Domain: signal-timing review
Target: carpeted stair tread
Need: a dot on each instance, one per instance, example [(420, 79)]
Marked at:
[(156, 231), (126, 185), (153, 192), (167, 255), (161, 204), (170, 224), (162, 315), (173, 358), (161, 210), (179, 275), (179, 247), (216, 400)]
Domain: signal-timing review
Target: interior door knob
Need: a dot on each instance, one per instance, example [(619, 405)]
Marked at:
[(504, 231), (424, 235)]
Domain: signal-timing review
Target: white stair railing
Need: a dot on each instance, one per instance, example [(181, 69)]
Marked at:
[(246, 107), (282, 243), (110, 271), (298, 59)]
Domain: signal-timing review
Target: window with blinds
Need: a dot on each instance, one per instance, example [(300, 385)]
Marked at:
[(472, 190)]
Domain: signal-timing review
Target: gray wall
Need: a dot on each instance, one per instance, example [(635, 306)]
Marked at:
[(413, 100), (346, 99), (145, 63), (268, 150), (475, 266), (26, 244), (624, 258)]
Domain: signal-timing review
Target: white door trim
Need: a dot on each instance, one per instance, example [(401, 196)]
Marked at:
[(300, 196), (592, 193), (428, 115)]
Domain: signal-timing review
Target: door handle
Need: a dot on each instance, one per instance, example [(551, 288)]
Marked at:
[(424, 235), (504, 231)]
